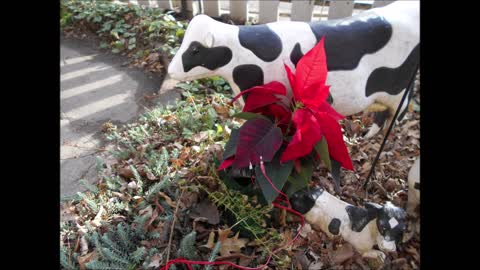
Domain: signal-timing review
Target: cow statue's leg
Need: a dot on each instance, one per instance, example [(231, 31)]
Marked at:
[(381, 115)]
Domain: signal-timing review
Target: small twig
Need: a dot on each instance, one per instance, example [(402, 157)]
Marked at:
[(173, 226)]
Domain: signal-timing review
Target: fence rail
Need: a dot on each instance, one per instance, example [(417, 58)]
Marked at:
[(265, 11)]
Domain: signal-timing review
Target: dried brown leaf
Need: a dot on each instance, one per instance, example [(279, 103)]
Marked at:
[(207, 210), (125, 172), (155, 261), (82, 260), (342, 254), (211, 238), (230, 245), (167, 199)]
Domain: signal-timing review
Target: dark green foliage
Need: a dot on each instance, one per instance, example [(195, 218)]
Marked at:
[(92, 188), (250, 218), (66, 261), (213, 255), (126, 27), (277, 173), (187, 246), (120, 247)]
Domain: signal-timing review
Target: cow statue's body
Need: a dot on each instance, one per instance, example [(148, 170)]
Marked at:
[(362, 227), (371, 56)]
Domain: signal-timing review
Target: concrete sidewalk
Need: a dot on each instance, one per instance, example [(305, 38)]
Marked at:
[(95, 87)]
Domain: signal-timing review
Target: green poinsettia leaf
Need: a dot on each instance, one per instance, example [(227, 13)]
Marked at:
[(300, 180), (278, 174), (294, 184), (322, 150), (307, 169)]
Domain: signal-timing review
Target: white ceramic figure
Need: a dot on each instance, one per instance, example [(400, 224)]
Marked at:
[(371, 56), (383, 225), (414, 189), (413, 203)]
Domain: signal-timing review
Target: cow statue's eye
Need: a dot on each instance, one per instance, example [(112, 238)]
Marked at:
[(195, 50)]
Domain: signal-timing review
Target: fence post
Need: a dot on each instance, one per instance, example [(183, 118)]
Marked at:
[(238, 9), (381, 3), (190, 8), (340, 9), (302, 10), (163, 4), (211, 8), (268, 11)]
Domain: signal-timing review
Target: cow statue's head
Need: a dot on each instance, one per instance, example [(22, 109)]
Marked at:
[(391, 224), (201, 54)]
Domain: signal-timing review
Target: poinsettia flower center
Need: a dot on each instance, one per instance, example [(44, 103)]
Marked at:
[(298, 105)]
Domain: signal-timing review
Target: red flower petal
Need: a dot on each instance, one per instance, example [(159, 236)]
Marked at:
[(333, 134), (226, 163), (325, 107), (257, 100), (307, 134), (277, 111), (291, 79), (269, 88), (311, 73), (314, 99)]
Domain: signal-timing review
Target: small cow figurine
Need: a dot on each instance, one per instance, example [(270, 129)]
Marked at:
[(363, 228), (414, 189), (413, 203), (371, 56)]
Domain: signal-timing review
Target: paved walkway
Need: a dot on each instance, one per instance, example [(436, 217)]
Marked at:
[(95, 87)]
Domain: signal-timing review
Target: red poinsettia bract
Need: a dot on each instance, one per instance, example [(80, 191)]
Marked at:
[(312, 119), (313, 116)]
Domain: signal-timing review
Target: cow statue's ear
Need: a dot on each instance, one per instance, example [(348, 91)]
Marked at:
[(373, 208), (209, 40)]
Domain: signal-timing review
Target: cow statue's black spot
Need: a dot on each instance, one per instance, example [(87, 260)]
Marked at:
[(296, 54), (348, 40), (302, 201), (330, 98), (334, 226), (261, 40), (360, 217), (247, 76), (211, 58), (416, 185), (393, 80)]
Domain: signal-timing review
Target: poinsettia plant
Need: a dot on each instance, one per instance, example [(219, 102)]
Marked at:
[(289, 134)]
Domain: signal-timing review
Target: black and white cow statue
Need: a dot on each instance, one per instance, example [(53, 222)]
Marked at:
[(381, 225), (414, 189), (370, 56), (413, 203)]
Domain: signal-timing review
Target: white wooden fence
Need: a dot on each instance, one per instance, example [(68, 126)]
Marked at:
[(265, 10)]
